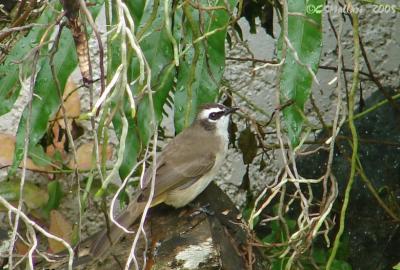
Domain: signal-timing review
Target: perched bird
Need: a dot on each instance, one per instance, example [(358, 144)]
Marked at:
[(184, 168)]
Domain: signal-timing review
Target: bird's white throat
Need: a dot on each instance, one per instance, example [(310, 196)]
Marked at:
[(222, 127)]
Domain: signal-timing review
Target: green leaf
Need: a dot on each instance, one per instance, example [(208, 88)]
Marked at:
[(132, 144), (9, 71), (201, 68), (46, 101), (397, 266), (136, 8), (39, 157), (305, 34), (319, 256), (159, 54), (33, 196), (55, 195), (157, 49), (340, 265)]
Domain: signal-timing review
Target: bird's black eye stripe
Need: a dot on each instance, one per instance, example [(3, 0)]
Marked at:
[(215, 115)]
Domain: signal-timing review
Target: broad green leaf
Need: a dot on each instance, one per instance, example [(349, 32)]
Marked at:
[(340, 265), (132, 145), (9, 71), (136, 8), (39, 157), (158, 52), (55, 195), (46, 101), (33, 196), (201, 68), (160, 59), (305, 34)]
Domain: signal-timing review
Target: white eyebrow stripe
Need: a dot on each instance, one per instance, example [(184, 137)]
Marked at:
[(207, 112)]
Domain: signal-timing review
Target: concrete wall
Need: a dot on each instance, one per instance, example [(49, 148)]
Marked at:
[(380, 33)]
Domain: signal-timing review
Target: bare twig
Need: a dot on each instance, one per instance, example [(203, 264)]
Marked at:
[(25, 155), (374, 193), (40, 229), (66, 123), (99, 43), (21, 28), (377, 82), (354, 139), (298, 61)]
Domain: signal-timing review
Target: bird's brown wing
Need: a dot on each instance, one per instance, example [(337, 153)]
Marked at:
[(180, 165)]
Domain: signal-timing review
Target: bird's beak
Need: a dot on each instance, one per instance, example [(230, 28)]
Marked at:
[(231, 110)]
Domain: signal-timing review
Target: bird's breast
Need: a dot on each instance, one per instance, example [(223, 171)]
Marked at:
[(180, 197)]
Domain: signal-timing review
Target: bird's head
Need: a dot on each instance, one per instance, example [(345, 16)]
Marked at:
[(215, 116)]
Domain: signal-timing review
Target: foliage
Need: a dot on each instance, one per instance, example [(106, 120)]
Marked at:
[(316, 256), (150, 71), (10, 84), (262, 10), (303, 49), (162, 57)]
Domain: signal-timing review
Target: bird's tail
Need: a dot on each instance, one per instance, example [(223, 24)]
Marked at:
[(107, 238)]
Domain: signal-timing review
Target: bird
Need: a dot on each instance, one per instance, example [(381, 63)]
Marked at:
[(184, 168)]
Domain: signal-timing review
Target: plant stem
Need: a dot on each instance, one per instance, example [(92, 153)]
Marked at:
[(354, 139), (376, 106)]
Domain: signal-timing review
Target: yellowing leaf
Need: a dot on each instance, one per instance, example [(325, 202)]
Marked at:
[(72, 101), (21, 247), (84, 156), (72, 106), (60, 227), (7, 149), (34, 197)]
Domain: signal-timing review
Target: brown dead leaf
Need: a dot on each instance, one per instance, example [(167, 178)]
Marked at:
[(21, 247), (60, 227), (7, 149), (59, 139), (72, 106), (72, 101), (84, 155)]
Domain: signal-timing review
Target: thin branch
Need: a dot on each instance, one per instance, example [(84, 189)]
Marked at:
[(66, 123), (25, 155), (298, 61), (40, 229), (99, 43), (327, 201), (395, 105), (342, 59), (274, 62), (376, 106), (354, 139), (374, 192), (21, 28), (344, 70)]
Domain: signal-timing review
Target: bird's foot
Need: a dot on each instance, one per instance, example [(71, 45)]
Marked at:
[(203, 209)]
